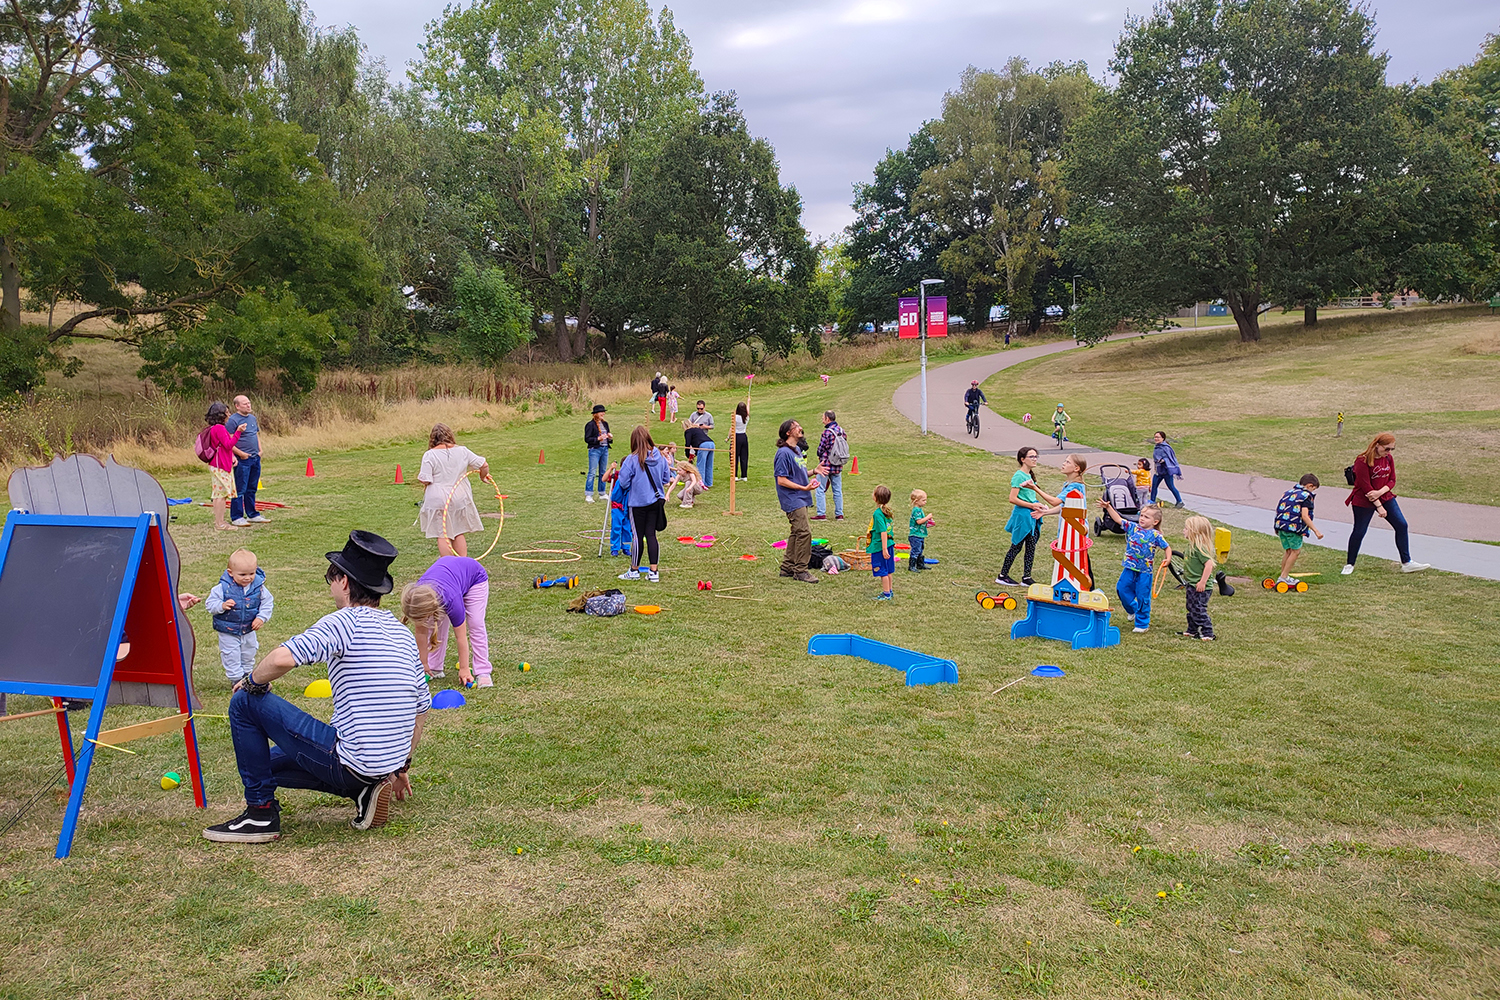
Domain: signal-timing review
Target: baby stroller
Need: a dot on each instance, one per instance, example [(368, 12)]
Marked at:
[(1120, 493)]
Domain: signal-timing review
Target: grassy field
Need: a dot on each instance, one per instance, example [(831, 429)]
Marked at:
[(1432, 378), (687, 805)]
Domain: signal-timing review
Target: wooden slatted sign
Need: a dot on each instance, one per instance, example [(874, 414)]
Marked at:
[(72, 587)]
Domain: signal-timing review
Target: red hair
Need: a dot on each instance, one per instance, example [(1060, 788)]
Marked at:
[(1384, 437)]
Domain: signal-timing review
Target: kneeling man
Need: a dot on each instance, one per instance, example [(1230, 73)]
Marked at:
[(379, 698)]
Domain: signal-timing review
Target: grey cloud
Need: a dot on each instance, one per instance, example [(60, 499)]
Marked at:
[(833, 84)]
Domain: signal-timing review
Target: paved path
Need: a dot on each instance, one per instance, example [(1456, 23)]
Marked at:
[(1440, 528)]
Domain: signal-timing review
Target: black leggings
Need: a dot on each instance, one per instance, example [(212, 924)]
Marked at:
[(742, 456), (645, 530), (1030, 545)]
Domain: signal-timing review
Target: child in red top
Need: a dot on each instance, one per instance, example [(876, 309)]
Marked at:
[(1375, 493)]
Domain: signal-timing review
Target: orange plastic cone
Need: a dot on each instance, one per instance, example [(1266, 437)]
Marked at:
[(854, 466), (541, 457), (399, 480), (310, 472)]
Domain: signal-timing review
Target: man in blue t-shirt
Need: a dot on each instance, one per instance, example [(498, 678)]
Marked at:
[(247, 464), (792, 492)]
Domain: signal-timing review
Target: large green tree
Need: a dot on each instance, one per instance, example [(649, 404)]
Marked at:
[(713, 253), (557, 106), (996, 192), (1241, 155), (144, 178)]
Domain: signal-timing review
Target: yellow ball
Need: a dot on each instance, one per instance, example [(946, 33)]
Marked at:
[(170, 780)]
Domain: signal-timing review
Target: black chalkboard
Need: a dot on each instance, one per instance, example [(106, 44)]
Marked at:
[(58, 592)]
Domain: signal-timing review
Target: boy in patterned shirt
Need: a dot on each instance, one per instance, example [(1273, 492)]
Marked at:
[(1141, 542), (1294, 519)]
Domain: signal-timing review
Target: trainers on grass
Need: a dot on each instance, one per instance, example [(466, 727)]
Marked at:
[(256, 825), (372, 805), (1414, 567), (629, 574)]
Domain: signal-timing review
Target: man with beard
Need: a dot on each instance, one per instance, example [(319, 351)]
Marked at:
[(794, 494)]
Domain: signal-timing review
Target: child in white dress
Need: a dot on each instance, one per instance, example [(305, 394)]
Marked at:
[(445, 464)]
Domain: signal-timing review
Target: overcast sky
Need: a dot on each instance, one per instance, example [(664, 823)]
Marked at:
[(833, 83)]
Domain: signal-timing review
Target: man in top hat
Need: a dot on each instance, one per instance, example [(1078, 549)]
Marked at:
[(379, 698)]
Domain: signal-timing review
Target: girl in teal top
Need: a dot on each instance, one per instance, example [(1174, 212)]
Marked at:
[(1025, 524)]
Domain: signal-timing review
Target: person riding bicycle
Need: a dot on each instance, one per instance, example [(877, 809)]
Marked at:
[(974, 397), (1060, 420)]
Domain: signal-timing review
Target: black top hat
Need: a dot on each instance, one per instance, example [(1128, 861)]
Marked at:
[(598, 408), (366, 560)]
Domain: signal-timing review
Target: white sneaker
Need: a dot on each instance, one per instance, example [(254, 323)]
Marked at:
[(588, 498), (1414, 567), (240, 522), (483, 681), (629, 574), (260, 519), (1348, 568), (653, 576), (1137, 630)]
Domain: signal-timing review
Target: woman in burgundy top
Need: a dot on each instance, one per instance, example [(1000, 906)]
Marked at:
[(1375, 493)]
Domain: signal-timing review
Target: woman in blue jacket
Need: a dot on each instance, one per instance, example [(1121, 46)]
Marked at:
[(1167, 468), (644, 476)]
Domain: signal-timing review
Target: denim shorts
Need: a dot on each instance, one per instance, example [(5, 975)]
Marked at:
[(881, 565)]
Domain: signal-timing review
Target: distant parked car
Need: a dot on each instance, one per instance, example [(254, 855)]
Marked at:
[(1053, 312), (890, 326)]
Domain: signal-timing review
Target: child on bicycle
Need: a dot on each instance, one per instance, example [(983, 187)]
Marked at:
[(1060, 420)]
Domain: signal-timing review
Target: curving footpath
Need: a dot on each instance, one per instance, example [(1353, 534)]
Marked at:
[(1439, 527)]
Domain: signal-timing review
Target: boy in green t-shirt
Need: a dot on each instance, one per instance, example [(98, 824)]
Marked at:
[(881, 546), (916, 532)]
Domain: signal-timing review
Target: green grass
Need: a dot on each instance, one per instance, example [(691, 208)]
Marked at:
[(1269, 408), (690, 806)]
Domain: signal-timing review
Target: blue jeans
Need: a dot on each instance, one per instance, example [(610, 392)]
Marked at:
[(914, 559), (837, 480), (1362, 518), (246, 480), (598, 462), (303, 755), (1134, 589), (706, 462), (1157, 479)]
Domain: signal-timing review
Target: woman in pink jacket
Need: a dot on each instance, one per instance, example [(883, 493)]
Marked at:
[(221, 479)]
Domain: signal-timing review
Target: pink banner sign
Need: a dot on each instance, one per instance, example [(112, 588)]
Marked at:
[(937, 316), (908, 313)]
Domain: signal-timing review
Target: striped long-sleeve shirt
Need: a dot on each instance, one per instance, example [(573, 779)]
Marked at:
[(378, 685)]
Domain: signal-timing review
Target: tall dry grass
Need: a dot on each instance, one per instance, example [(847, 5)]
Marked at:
[(106, 409)]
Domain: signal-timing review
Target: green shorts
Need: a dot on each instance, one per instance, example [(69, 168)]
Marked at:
[(1290, 540)]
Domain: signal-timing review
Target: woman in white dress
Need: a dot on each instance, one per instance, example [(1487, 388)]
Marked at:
[(445, 463)]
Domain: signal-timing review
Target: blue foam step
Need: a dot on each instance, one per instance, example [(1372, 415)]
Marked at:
[(919, 668)]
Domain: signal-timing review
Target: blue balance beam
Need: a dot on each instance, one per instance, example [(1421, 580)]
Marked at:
[(918, 667)]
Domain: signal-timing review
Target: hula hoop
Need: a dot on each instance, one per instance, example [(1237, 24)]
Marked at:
[(565, 543), (499, 498), (593, 534), (517, 555)]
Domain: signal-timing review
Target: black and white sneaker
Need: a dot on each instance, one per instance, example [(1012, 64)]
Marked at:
[(372, 805), (1006, 581), (256, 825)]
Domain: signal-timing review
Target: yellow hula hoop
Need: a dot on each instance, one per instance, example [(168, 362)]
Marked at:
[(516, 555), (498, 499)]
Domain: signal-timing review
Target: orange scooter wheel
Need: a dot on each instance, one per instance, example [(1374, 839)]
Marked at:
[(1268, 583), (988, 603), (1010, 604), (1282, 588), (1301, 586)]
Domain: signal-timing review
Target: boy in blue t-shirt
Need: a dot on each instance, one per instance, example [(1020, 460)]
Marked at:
[(1294, 519), (1141, 542)]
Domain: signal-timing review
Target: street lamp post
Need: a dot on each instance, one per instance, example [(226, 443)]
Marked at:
[(922, 319), (1075, 295)]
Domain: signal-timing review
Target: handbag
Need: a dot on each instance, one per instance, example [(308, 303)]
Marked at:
[(660, 506)]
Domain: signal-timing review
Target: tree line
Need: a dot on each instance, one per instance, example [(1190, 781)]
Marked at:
[(238, 191), (1244, 150)]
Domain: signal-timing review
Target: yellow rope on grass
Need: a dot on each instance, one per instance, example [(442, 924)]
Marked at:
[(498, 499)]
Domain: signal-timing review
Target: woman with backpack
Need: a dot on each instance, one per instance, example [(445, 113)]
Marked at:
[(1373, 476), (644, 476), (1167, 468), (216, 446)]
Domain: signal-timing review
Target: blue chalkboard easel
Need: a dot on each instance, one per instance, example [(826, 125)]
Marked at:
[(70, 588)]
